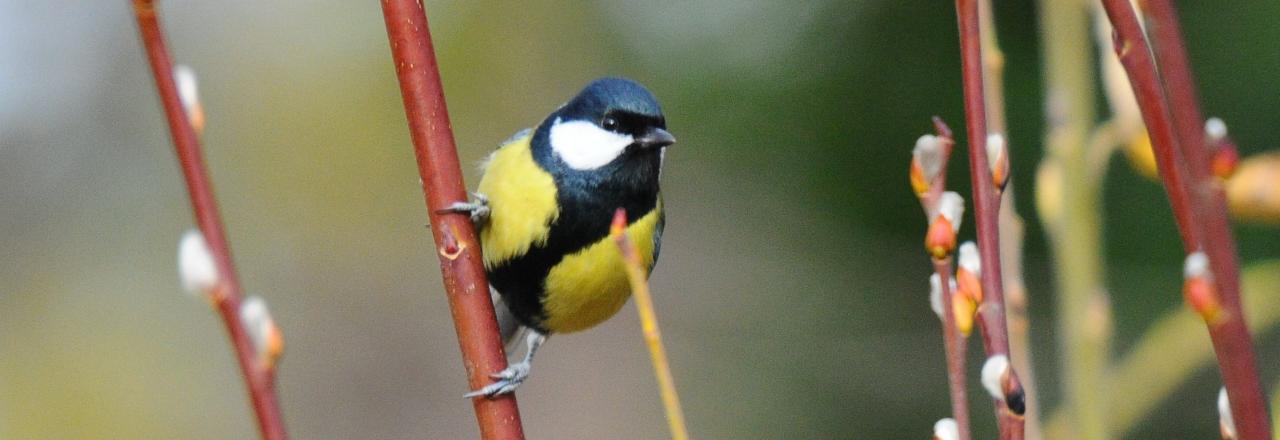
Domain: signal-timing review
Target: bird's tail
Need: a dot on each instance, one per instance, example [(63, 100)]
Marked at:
[(508, 325)]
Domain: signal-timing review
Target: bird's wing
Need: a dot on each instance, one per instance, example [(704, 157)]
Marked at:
[(508, 325), (657, 234)]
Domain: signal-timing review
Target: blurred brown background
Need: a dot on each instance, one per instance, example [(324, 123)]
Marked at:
[(791, 289)]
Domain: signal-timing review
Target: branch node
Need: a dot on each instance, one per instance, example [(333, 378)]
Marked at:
[(450, 247)]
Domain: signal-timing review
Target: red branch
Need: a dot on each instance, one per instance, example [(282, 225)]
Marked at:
[(1170, 53), (260, 380), (986, 199), (1170, 110), (460, 262)]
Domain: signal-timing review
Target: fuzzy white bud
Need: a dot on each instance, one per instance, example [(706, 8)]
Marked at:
[(928, 152), (195, 264), (188, 90), (935, 294), (946, 429), (995, 149), (993, 372), (969, 258), (1227, 423), (951, 207), (261, 327), (1197, 265), (1215, 129)]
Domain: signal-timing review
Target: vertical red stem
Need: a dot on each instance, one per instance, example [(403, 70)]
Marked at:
[(986, 199), (1174, 123), (260, 381), (954, 347), (459, 251)]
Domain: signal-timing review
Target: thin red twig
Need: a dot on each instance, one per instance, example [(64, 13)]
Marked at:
[(459, 251), (1131, 47), (953, 342), (986, 200), (954, 347), (1170, 110), (260, 381)]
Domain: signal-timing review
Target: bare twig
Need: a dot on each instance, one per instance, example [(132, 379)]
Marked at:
[(649, 323), (1011, 225), (459, 252), (1181, 154), (226, 295), (986, 210), (1132, 49)]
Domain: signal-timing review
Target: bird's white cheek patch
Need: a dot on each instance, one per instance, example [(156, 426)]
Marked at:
[(584, 146)]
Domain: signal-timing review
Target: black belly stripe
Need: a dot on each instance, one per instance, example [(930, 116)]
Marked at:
[(586, 205)]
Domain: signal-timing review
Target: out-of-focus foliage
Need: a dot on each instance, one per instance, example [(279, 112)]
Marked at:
[(792, 289)]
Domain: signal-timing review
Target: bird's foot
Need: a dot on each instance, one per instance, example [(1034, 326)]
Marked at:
[(478, 210), (505, 381)]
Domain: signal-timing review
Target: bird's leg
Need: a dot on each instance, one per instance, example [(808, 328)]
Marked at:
[(478, 210), (506, 381)]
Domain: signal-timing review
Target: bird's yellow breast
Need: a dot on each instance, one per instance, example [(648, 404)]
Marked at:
[(589, 286), (522, 202)]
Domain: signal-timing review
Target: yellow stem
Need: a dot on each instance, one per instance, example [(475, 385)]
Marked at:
[(652, 336)]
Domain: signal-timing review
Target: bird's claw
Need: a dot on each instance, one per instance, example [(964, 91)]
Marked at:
[(478, 210), (505, 381)]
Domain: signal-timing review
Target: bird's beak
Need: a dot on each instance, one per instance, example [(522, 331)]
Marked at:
[(655, 138)]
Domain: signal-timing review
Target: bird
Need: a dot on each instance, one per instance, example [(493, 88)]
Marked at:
[(544, 207)]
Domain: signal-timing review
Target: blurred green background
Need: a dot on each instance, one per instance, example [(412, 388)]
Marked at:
[(792, 288)]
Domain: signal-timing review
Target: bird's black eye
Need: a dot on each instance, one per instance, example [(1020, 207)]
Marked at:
[(609, 123)]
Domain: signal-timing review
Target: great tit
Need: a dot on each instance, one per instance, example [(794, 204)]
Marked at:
[(544, 208)]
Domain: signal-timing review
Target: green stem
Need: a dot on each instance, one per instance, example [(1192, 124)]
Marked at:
[(1083, 307)]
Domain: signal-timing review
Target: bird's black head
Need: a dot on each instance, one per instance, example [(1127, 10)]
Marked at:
[(615, 97), (609, 119)]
